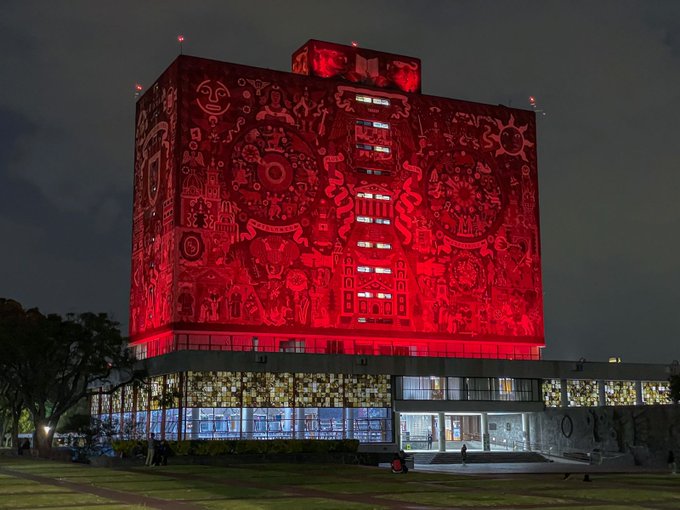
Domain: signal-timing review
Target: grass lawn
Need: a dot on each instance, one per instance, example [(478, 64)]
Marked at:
[(299, 487)]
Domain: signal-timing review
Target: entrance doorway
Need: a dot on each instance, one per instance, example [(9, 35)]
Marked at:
[(423, 431)]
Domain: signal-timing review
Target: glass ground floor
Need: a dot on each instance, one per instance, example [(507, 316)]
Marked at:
[(449, 431), (367, 425)]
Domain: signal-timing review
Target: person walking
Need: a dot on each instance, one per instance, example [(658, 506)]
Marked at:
[(150, 450), (463, 453)]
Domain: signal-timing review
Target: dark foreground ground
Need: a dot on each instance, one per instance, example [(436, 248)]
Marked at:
[(27, 483)]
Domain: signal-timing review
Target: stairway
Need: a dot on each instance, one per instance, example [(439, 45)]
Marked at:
[(508, 457)]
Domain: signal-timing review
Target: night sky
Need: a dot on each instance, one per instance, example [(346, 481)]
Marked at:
[(606, 73)]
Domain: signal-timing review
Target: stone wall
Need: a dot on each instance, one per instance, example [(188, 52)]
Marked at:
[(646, 433), (508, 429)]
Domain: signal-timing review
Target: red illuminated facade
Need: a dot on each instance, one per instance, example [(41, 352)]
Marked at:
[(332, 210)]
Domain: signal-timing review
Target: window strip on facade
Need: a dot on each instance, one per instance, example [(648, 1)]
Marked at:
[(583, 393), (262, 405)]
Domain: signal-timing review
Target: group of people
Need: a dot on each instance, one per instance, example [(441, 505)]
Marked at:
[(157, 452)]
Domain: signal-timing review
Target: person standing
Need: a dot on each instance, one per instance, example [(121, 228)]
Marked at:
[(671, 462), (151, 448), (429, 440), (463, 453), (163, 453)]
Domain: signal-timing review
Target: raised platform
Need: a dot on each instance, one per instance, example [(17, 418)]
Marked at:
[(478, 457)]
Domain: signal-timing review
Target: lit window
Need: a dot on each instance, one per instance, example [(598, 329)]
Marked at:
[(383, 270), (374, 148), (370, 171), (365, 294), (370, 123), (369, 244), (364, 269), (505, 385), (361, 319), (383, 295), (370, 219), (373, 100), (373, 196)]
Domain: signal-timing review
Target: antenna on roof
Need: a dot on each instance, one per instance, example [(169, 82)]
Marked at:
[(534, 106), (138, 90), (180, 40)]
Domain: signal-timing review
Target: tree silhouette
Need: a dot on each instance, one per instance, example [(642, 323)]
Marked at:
[(52, 361)]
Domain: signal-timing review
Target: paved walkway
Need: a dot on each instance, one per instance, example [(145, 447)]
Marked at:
[(525, 468)]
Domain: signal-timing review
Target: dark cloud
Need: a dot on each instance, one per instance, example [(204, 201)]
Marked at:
[(607, 73)]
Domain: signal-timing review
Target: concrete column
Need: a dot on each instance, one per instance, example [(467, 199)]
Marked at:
[(351, 414), (289, 421), (299, 423), (442, 432), (397, 430), (247, 423), (602, 396), (564, 395), (526, 431), (638, 393), (195, 422), (486, 444)]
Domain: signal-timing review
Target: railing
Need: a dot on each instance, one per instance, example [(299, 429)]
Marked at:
[(542, 448), (474, 395), (168, 343)]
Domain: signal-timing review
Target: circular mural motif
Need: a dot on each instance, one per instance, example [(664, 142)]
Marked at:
[(213, 97), (466, 273), (191, 246), (465, 195), (512, 140), (274, 174)]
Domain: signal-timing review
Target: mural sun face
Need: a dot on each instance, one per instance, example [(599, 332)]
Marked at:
[(213, 97), (511, 139)]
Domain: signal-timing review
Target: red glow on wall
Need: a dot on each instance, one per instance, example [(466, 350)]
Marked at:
[(275, 205), (406, 76), (328, 62), (358, 65)]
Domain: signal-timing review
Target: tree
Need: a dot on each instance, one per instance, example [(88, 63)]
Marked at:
[(54, 360), (13, 325), (675, 388), (11, 405)]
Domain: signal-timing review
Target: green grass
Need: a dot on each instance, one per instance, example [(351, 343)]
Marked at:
[(617, 494), (286, 504), (488, 498), (298, 487)]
